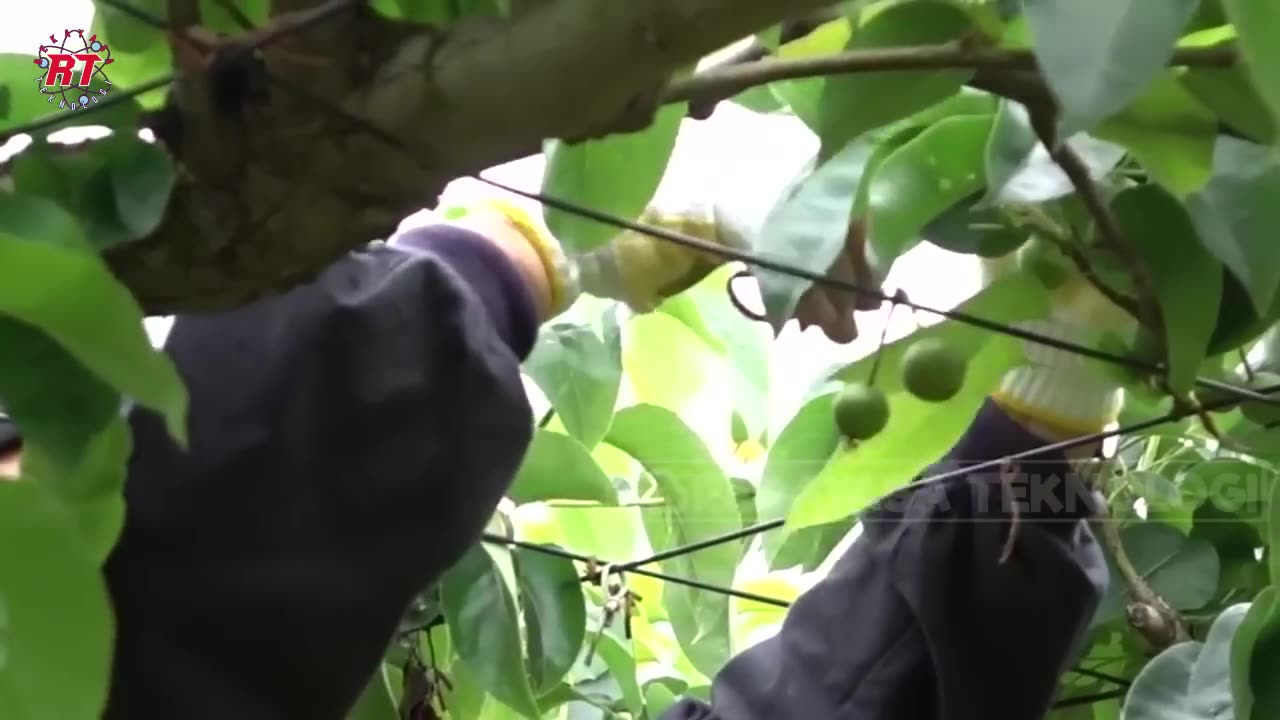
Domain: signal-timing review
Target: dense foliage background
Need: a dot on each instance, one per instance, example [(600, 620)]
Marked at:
[(664, 430)]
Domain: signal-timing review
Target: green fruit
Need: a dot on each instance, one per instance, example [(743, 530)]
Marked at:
[(1043, 260), (738, 428), (1259, 412), (933, 371), (861, 411)]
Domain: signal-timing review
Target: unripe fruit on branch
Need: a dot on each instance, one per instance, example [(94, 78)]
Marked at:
[(861, 411), (933, 371)]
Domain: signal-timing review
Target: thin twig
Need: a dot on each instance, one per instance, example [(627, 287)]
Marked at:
[(1085, 268), (729, 80), (1109, 229)]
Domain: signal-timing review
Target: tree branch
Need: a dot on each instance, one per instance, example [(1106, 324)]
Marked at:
[(731, 79), (271, 194), (1109, 231), (1148, 612)]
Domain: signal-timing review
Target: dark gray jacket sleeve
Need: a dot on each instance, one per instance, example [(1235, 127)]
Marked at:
[(920, 620), (349, 440)]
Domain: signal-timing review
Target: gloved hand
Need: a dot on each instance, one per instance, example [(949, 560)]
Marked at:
[(1057, 393), (537, 253), (642, 271)]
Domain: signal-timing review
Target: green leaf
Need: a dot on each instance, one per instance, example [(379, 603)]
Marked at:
[(1041, 178), (804, 96), (377, 702), (91, 489), (142, 176), (801, 450), (1008, 148), (55, 616), (700, 505), (1257, 24), (622, 668), (759, 99), (485, 628), (1099, 55), (1273, 530), (1190, 680), (919, 432), (1187, 280), (579, 373), (808, 229), (1231, 95), (555, 615), (1169, 132), (558, 467), (57, 403), (1236, 212), (706, 310), (1184, 571), (99, 322), (657, 699), (617, 175), (1165, 500), (130, 33), (970, 229), (1024, 171), (99, 186), (854, 103), (1261, 622), (918, 181), (655, 343)]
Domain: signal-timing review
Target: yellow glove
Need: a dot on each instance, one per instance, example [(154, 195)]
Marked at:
[(642, 271), (561, 272)]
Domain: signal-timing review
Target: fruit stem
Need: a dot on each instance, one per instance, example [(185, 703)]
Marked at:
[(884, 333)]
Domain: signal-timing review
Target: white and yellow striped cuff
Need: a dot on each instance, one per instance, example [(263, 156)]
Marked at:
[(1059, 388)]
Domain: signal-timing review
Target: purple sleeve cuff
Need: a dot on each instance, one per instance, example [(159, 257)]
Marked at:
[(488, 272)]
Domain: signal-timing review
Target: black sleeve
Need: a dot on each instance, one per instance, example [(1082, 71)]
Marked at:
[(349, 441), (920, 619)]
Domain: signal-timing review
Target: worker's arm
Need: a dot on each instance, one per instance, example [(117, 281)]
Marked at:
[(349, 441)]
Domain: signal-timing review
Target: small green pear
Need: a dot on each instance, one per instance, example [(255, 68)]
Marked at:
[(933, 371), (861, 411)]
